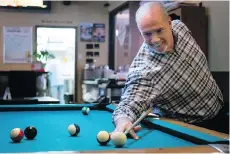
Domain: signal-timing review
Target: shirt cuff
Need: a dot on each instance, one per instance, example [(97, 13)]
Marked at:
[(121, 117)]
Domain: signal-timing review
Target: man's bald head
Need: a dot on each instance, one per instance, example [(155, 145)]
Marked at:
[(155, 26), (149, 9)]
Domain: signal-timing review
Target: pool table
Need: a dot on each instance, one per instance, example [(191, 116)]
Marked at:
[(52, 121)]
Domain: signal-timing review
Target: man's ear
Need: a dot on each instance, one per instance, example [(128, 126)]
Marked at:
[(170, 21), (170, 18)]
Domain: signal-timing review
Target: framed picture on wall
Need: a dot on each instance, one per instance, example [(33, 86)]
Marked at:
[(99, 33), (86, 30)]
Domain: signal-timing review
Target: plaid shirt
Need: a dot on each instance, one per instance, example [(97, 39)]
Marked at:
[(178, 84)]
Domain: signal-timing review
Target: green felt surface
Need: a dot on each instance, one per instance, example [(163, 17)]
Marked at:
[(53, 135), (194, 133)]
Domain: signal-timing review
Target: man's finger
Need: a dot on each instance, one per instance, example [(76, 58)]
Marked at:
[(137, 128), (133, 134)]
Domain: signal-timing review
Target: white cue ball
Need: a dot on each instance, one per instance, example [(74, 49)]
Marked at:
[(118, 139)]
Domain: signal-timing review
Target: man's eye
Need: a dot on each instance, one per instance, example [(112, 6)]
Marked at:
[(147, 34), (159, 30)]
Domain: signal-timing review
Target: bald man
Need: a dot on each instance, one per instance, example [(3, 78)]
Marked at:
[(169, 72)]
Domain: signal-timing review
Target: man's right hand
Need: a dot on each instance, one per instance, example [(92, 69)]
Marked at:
[(123, 124)]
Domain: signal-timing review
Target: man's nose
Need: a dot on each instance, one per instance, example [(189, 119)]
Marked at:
[(155, 39)]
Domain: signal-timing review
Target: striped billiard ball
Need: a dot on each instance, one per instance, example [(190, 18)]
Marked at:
[(85, 110), (16, 134)]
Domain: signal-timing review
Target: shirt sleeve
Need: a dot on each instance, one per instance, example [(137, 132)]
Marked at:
[(139, 93)]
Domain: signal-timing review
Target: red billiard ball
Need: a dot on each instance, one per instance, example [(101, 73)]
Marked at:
[(30, 132), (16, 134)]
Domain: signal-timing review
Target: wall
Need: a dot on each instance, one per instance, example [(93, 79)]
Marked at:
[(114, 4), (136, 38), (73, 15), (218, 34)]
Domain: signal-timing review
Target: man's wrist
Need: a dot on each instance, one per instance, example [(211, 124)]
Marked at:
[(123, 119)]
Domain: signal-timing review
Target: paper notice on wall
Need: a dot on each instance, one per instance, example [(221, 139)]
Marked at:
[(17, 44)]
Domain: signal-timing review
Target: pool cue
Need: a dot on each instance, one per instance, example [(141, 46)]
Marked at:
[(144, 114)]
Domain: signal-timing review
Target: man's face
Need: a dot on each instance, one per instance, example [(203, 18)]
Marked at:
[(157, 32)]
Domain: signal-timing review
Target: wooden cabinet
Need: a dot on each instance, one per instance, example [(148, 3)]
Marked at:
[(195, 19)]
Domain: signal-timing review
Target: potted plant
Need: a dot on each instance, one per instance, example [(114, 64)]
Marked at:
[(40, 60)]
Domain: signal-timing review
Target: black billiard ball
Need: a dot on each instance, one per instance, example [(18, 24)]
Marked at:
[(74, 129), (30, 132)]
